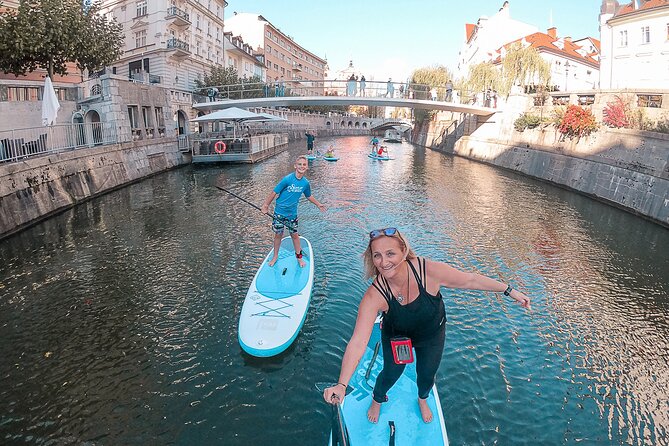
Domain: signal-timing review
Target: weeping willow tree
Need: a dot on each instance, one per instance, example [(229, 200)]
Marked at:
[(524, 66), (483, 76), (435, 76)]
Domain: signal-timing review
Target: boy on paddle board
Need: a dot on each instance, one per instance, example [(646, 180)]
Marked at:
[(287, 194)]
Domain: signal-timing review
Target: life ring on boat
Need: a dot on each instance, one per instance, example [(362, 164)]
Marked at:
[(219, 147)]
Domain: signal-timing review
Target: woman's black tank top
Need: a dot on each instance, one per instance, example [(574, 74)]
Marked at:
[(418, 319)]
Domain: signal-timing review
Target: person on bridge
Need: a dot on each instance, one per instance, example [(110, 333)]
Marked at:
[(433, 93), (363, 84), (407, 290), (310, 142), (390, 89), (287, 194), (449, 91)]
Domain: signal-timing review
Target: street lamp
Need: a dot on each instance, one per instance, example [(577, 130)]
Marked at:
[(566, 75)]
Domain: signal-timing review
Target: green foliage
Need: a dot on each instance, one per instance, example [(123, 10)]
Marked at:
[(324, 109), (527, 121), (229, 84), (662, 125), (434, 76), (483, 76), (50, 33), (523, 66)]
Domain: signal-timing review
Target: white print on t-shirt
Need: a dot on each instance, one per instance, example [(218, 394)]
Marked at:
[(293, 188)]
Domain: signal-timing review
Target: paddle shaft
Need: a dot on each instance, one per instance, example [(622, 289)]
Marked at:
[(284, 221)]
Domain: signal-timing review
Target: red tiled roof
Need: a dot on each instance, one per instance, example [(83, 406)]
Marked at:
[(469, 31), (543, 41), (647, 4)]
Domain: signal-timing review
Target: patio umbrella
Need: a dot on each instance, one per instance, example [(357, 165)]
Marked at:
[(271, 117), (233, 114), (50, 104)]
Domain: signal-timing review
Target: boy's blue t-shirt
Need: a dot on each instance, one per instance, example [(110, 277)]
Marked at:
[(290, 189)]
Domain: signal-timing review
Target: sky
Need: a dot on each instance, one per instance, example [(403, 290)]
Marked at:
[(390, 38)]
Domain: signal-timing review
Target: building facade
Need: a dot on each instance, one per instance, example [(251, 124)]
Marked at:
[(243, 58), (483, 39), (285, 60), (635, 44), (574, 66), (169, 42)]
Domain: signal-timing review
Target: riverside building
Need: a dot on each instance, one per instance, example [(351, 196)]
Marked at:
[(635, 44), (285, 60)]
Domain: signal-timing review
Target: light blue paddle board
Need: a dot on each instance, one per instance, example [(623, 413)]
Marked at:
[(310, 157), (401, 407), (277, 301), (330, 158), (380, 158)]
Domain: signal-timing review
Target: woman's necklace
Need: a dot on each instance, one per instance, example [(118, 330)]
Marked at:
[(400, 298)]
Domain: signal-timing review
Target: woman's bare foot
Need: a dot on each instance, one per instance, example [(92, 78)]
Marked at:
[(373, 412), (425, 411), (301, 262), (273, 261)]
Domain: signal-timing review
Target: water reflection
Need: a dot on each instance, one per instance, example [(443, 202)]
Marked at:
[(119, 317)]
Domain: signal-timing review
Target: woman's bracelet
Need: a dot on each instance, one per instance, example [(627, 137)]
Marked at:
[(342, 384), (507, 291)]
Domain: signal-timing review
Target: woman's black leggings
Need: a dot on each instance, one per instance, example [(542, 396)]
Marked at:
[(427, 356)]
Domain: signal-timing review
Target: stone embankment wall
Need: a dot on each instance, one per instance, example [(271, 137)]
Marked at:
[(626, 168), (39, 187)]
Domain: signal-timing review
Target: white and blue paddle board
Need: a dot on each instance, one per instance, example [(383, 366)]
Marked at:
[(401, 407), (310, 157), (276, 304), (381, 158), (330, 158)]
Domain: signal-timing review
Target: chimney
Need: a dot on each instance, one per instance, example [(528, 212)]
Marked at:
[(567, 39), (552, 32)]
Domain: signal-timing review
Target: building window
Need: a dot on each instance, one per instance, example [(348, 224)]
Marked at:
[(623, 38), (649, 100), (140, 38), (667, 31), (141, 8), (197, 21), (645, 34)]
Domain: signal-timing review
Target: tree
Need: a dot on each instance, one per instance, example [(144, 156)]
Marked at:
[(229, 84), (434, 76), (50, 33), (523, 66), (483, 76)]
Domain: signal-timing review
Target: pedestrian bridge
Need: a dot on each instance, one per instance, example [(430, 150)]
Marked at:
[(288, 101)]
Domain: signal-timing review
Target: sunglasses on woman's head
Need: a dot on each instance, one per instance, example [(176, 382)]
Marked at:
[(388, 232)]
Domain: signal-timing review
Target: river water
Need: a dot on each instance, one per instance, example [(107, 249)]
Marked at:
[(118, 318)]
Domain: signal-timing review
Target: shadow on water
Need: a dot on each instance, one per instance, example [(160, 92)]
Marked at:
[(119, 317)]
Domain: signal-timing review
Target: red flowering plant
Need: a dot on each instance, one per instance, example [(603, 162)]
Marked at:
[(577, 122), (616, 114)]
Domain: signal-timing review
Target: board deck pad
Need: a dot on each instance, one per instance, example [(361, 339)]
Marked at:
[(401, 407), (285, 278), (277, 301)]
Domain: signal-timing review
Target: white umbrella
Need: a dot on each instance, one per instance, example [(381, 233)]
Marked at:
[(50, 104), (271, 117), (232, 114)]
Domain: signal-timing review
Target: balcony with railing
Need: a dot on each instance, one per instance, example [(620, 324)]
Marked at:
[(177, 16), (179, 48)]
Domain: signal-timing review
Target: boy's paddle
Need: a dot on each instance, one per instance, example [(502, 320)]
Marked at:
[(282, 220)]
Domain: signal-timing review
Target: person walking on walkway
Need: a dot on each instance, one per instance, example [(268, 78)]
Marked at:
[(390, 88), (363, 84)]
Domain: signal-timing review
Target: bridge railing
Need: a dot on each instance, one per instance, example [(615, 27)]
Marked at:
[(327, 87)]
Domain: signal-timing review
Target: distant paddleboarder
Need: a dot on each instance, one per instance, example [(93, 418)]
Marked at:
[(287, 194)]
